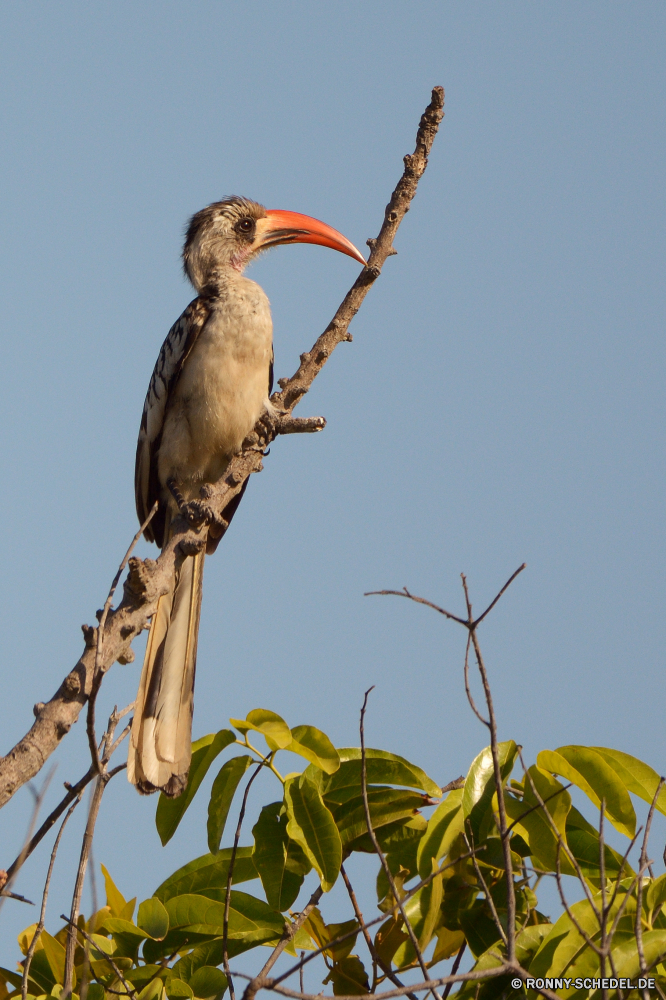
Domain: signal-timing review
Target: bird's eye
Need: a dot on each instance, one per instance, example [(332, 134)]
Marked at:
[(245, 226)]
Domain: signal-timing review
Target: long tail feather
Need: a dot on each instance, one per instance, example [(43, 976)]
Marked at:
[(161, 738)]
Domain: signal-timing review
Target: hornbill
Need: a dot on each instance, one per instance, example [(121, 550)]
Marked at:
[(209, 388)]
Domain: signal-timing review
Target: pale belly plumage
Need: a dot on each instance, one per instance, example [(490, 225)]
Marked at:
[(222, 391)]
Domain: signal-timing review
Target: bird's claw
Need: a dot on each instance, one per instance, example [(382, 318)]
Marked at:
[(199, 513)]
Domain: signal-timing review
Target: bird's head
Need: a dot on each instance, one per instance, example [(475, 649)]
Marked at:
[(229, 234)]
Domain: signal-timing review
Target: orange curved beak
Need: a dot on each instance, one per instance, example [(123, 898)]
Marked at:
[(290, 227)]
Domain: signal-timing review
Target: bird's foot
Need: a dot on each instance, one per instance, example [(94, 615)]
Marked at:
[(266, 429), (196, 512), (199, 513)]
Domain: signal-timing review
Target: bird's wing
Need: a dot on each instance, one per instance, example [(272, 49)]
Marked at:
[(180, 340)]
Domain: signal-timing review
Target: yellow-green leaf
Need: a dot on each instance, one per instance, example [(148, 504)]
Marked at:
[(177, 988), (207, 875), (316, 747), (221, 797), (208, 982), (55, 954), (153, 991), (480, 783), (443, 827), (272, 727), (529, 820), (114, 898), (312, 826), (153, 918), (592, 773), (280, 861), (382, 768), (637, 777), (204, 751), (349, 977)]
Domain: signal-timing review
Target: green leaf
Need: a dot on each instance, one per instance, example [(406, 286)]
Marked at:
[(177, 988), (443, 827), (423, 911), (116, 925), (208, 982), (221, 796), (390, 836), (636, 776), (153, 918), (250, 919), (527, 943), (322, 933), (96, 991), (626, 959), (153, 991), (204, 751), (655, 894), (387, 805), (55, 954), (272, 727), (312, 826), (114, 898), (565, 952), (583, 841), (530, 822), (142, 974), (480, 787), (207, 875), (594, 775), (381, 767), (281, 863), (316, 747), (349, 977)]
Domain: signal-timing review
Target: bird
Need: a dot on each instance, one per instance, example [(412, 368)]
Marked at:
[(210, 385)]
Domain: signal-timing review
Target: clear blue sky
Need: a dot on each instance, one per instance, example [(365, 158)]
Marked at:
[(502, 400)]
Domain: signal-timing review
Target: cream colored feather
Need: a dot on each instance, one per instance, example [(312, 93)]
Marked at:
[(160, 742)]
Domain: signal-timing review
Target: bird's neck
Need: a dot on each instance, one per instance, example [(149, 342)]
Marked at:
[(220, 281)]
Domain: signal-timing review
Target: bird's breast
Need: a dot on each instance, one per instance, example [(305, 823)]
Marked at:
[(222, 389)]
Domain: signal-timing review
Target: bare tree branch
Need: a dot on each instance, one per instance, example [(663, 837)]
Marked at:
[(376, 958), (230, 878), (148, 579), (643, 864), (40, 925), (380, 854)]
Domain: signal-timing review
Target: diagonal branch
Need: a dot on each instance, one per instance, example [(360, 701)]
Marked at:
[(148, 579)]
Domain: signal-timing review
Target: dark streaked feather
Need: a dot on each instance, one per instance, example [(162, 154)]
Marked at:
[(175, 350)]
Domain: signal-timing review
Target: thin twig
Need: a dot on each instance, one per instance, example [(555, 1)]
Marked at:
[(260, 982), (497, 771), (98, 672), (51, 819), (428, 984), (643, 864), (107, 958), (230, 878), (454, 968), (374, 954), (98, 791), (561, 841), (14, 868), (489, 899), (380, 853), (370, 923), (468, 690), (45, 895)]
